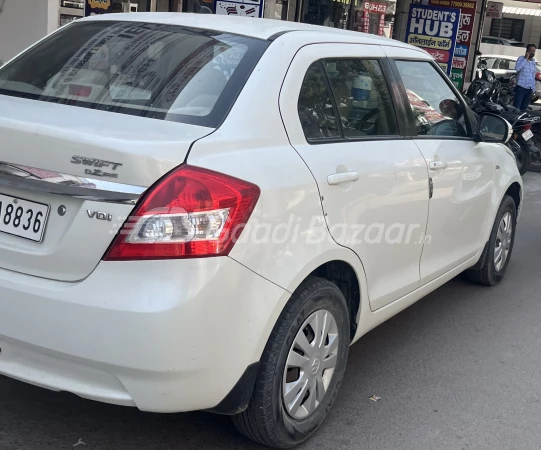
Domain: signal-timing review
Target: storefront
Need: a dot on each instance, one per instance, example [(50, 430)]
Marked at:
[(375, 17)]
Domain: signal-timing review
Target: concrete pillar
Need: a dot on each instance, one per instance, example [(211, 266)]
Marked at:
[(53, 15), (22, 22)]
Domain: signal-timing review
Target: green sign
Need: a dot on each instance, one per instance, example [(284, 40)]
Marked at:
[(457, 77)]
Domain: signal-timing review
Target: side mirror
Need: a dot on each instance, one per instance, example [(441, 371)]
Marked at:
[(493, 128)]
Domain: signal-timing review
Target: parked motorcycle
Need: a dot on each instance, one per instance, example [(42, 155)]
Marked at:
[(485, 95), (535, 160)]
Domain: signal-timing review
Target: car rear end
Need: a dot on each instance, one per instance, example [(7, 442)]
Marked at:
[(115, 280)]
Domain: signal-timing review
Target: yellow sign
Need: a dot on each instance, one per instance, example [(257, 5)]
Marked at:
[(420, 40), (101, 4), (443, 66)]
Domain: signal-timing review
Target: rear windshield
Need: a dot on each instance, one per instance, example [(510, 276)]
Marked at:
[(150, 70)]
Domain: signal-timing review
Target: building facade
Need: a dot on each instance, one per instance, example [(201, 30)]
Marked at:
[(23, 22), (521, 22)]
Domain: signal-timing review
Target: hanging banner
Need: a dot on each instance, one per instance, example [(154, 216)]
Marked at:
[(93, 7), (434, 29), (250, 8), (464, 35)]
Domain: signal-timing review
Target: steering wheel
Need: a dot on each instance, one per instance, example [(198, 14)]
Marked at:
[(447, 127), (363, 124)]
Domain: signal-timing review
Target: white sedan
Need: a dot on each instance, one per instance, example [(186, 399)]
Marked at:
[(200, 212)]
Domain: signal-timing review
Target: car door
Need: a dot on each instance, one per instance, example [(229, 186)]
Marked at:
[(461, 174), (373, 181)]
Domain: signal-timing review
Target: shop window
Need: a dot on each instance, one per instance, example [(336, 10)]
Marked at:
[(315, 106), (79, 4), (510, 28), (362, 97), (328, 13), (66, 18), (198, 6), (276, 9)]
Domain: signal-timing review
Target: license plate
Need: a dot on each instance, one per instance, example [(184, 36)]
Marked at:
[(527, 135), (23, 218)]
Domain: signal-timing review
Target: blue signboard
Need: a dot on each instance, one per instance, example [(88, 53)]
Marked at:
[(434, 29), (461, 50)]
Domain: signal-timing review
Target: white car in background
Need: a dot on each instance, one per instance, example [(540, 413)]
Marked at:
[(200, 212), (503, 67)]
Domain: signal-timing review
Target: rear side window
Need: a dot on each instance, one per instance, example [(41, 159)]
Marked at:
[(315, 106), (150, 70), (362, 97)]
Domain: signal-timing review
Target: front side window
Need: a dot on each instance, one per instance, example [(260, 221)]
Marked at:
[(436, 109), (151, 70), (315, 106), (504, 64), (491, 62), (362, 97)]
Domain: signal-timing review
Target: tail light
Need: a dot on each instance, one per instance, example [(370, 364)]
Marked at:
[(190, 213), (527, 126)]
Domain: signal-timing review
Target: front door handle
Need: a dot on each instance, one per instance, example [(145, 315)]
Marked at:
[(342, 177), (435, 165)]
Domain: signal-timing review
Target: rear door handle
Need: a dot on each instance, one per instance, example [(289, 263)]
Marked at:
[(342, 177), (435, 165)]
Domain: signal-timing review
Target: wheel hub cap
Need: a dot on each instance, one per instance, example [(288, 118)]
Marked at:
[(503, 242), (310, 364)]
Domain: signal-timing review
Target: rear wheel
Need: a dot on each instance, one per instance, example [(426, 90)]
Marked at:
[(500, 246), (522, 155), (535, 160), (301, 368)]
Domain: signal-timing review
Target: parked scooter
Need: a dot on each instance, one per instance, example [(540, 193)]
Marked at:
[(484, 94)]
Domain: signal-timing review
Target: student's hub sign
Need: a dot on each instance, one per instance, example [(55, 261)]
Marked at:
[(434, 29)]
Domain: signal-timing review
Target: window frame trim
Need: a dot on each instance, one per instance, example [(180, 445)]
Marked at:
[(409, 114)]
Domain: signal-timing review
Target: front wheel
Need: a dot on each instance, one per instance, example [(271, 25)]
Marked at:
[(302, 368), (500, 246)]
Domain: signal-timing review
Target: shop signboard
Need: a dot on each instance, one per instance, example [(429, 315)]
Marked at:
[(494, 10), (93, 7), (457, 77), (434, 28), (465, 31), (250, 8), (378, 9)]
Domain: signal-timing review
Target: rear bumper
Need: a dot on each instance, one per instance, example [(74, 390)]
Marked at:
[(163, 336)]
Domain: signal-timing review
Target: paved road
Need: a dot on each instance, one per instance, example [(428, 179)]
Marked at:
[(461, 369)]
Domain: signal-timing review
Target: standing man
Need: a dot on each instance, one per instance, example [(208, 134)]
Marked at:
[(526, 69)]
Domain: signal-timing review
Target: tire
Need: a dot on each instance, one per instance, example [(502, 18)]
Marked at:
[(535, 160), (535, 165), (491, 272), (523, 158), (268, 420)]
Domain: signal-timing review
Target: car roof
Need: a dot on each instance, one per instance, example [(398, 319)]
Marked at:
[(252, 27)]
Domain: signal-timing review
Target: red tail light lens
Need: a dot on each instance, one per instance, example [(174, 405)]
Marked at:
[(527, 126), (190, 213)]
